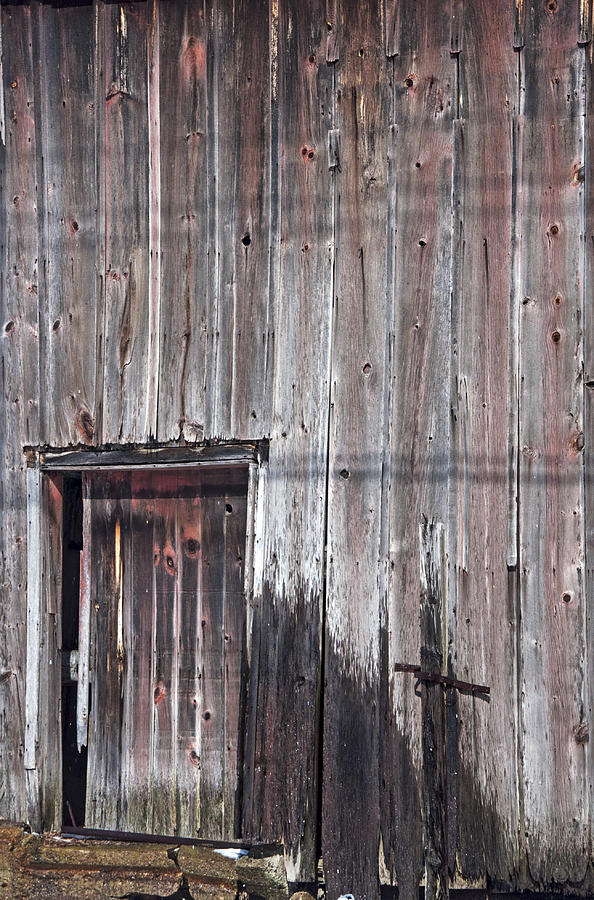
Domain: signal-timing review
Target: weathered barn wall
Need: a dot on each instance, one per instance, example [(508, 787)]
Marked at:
[(362, 230)]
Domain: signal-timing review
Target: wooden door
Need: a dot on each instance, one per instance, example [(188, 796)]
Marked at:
[(168, 662)]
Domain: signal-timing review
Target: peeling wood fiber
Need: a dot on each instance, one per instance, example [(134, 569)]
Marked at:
[(360, 233)]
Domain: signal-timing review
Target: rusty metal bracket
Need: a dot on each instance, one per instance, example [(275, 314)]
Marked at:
[(464, 686)]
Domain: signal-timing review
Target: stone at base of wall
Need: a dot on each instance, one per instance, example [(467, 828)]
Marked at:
[(50, 867)]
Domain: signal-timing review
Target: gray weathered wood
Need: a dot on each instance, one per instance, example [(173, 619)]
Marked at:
[(423, 108), (34, 616), (281, 800), (19, 374), (239, 383), (356, 580), (551, 527), (124, 160), (484, 649), (66, 197), (185, 362)]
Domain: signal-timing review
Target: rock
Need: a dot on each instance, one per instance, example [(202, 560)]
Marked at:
[(265, 876)]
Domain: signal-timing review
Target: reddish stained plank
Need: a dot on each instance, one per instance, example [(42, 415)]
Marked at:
[(185, 363), (235, 662), (551, 527), (239, 384), (421, 155), (212, 664), (188, 747), (137, 746), (166, 561), (484, 788), (124, 171)]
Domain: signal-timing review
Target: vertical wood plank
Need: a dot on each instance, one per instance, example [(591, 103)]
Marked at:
[(188, 748), (50, 638), (32, 757), (165, 673), (235, 661), (239, 388), (433, 611), (484, 646), (356, 572), (212, 662), (138, 705), (127, 368), (421, 160), (66, 197), (185, 363), (104, 758), (588, 237), (19, 383), (282, 782), (551, 526)]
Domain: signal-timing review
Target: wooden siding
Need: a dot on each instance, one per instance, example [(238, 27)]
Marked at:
[(363, 232), (168, 668)]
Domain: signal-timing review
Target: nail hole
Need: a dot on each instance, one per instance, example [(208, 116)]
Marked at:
[(422, 243), (555, 337), (558, 300), (552, 6), (228, 508), (246, 239), (366, 369), (361, 52), (329, 24), (304, 151), (193, 546), (13, 84), (254, 414), (310, 155), (304, 248), (554, 229), (312, 58), (56, 325), (566, 597), (8, 327), (170, 562), (417, 165), (344, 473), (408, 82), (207, 715), (74, 225), (194, 758), (15, 200)]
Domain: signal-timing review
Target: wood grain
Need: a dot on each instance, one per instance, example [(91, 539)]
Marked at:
[(67, 197), (356, 554), (19, 375), (551, 525), (281, 788), (421, 157), (239, 383), (483, 647), (124, 172), (185, 361)]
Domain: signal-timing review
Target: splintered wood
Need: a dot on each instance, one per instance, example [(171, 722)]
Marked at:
[(168, 668)]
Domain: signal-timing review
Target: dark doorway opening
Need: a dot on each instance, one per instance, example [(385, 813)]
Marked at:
[(74, 763)]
